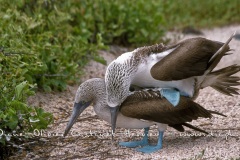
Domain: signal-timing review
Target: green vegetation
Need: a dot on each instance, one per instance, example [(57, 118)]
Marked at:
[(45, 43), (205, 13)]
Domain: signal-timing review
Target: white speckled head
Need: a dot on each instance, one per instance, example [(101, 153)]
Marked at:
[(118, 81), (88, 90)]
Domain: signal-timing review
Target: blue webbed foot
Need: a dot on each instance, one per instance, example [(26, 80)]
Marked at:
[(134, 144), (150, 149), (172, 95)]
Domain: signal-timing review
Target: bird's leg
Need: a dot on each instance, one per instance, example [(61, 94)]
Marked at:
[(134, 144), (172, 95), (150, 149)]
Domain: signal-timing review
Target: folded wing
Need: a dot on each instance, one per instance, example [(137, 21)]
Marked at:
[(190, 58), (148, 105)]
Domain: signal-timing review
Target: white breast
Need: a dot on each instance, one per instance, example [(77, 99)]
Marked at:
[(132, 123)]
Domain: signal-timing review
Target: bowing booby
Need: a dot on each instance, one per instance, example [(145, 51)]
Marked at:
[(186, 66), (141, 109)]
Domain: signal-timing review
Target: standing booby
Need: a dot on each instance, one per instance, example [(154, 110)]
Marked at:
[(186, 66), (141, 109)]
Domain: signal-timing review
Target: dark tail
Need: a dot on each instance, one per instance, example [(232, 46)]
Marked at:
[(194, 128), (215, 112), (223, 80)]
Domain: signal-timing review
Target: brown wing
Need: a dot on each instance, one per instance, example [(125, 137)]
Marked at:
[(148, 105), (190, 58)]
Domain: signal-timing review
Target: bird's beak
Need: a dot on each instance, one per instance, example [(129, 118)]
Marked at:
[(114, 113), (77, 110)]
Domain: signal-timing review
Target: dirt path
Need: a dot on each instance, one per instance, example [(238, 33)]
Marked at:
[(223, 142)]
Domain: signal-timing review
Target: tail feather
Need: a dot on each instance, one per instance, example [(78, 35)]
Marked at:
[(194, 128), (230, 83), (215, 112), (226, 54), (228, 91), (222, 80), (233, 79)]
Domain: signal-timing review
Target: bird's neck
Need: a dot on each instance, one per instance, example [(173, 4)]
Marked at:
[(100, 95), (101, 108)]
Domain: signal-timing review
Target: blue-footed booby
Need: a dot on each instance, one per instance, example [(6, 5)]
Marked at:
[(186, 66), (141, 109)]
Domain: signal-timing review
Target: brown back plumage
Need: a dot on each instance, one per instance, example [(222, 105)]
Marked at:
[(149, 105)]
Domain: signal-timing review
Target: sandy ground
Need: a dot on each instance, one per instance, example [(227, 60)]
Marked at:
[(222, 143)]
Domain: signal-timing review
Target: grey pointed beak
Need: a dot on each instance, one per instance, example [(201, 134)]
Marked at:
[(77, 110), (114, 113)]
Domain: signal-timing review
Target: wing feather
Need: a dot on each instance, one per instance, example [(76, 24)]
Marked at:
[(148, 105), (190, 58)]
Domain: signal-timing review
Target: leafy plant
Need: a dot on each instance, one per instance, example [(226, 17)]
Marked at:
[(17, 117), (206, 14), (124, 22)]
